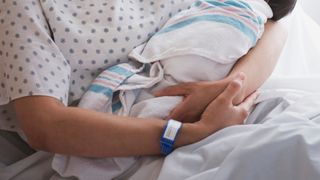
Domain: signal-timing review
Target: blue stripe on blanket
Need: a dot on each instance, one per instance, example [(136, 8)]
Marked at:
[(216, 18), (101, 89), (197, 4), (121, 71), (238, 4)]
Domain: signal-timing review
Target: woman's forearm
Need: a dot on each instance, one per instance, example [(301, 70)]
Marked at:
[(89, 133), (52, 127), (259, 63)]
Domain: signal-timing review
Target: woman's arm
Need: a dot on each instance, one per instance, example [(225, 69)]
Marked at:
[(257, 66), (260, 62), (51, 126)]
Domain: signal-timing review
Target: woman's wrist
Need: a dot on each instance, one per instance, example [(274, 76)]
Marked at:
[(191, 133)]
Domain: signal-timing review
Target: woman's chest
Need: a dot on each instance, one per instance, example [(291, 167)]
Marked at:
[(94, 35)]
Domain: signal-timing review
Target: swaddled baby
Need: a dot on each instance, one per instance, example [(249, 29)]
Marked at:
[(201, 43)]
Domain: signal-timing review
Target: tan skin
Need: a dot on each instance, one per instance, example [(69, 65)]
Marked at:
[(50, 126)]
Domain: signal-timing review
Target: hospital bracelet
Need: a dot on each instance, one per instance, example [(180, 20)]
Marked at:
[(168, 137)]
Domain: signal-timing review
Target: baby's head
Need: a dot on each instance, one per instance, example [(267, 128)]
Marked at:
[(281, 8)]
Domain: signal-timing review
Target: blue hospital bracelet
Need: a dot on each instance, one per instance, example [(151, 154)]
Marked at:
[(168, 137)]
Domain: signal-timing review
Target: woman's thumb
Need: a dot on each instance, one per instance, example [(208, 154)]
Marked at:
[(233, 88)]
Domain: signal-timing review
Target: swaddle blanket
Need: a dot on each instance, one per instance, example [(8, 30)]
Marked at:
[(198, 44)]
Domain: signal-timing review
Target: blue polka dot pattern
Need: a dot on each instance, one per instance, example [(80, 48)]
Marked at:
[(56, 48)]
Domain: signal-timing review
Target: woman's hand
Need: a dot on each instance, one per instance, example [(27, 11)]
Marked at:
[(197, 96), (222, 113)]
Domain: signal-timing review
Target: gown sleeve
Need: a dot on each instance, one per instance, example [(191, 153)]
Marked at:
[(30, 62)]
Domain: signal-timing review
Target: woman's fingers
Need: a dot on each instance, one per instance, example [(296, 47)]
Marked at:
[(186, 111), (245, 107), (179, 111), (176, 90), (248, 103)]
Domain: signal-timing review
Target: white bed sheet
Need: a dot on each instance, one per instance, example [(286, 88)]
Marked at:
[(295, 82)]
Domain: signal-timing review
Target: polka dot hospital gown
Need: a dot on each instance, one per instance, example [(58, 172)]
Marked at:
[(56, 48)]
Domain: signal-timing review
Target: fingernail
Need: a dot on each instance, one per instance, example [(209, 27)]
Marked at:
[(257, 92), (240, 82), (242, 76)]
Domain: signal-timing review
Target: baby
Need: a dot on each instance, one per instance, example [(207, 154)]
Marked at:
[(201, 43)]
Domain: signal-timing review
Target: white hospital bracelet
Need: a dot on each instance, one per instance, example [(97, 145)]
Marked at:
[(168, 137)]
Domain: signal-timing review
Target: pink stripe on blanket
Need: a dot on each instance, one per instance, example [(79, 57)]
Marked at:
[(241, 18), (105, 83), (112, 75)]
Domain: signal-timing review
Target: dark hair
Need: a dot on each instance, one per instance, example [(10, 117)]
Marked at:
[(281, 8)]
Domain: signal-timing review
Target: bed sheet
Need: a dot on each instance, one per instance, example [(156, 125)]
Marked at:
[(289, 110)]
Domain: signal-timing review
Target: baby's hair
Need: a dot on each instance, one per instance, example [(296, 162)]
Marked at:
[(281, 8)]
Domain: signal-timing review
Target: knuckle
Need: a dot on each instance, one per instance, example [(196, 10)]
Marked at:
[(188, 88), (235, 85), (164, 90), (170, 88), (244, 113)]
